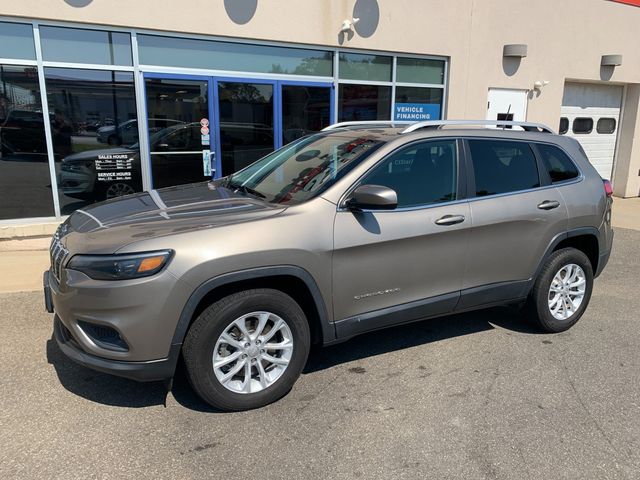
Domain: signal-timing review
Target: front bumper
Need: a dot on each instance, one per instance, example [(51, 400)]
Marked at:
[(139, 371)]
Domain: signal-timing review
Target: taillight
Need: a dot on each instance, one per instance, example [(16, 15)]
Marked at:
[(608, 189)]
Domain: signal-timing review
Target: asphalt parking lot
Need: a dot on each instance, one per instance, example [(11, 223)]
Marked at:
[(471, 396)]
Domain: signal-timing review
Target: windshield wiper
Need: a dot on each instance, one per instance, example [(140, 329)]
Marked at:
[(243, 188)]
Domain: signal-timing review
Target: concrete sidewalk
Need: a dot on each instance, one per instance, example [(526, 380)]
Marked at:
[(23, 261)]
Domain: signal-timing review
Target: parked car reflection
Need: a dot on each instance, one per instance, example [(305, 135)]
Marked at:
[(126, 133)]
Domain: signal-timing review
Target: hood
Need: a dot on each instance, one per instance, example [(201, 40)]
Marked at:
[(93, 154), (109, 226)]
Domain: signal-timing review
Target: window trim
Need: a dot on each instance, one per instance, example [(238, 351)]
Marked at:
[(461, 180), (471, 177)]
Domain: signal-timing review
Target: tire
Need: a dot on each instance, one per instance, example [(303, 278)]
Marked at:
[(117, 189), (540, 305), (114, 140), (204, 339)]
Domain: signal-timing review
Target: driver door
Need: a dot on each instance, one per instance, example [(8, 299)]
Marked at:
[(404, 264)]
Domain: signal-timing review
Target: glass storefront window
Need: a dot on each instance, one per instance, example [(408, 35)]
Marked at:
[(95, 135), (420, 70), (246, 123), (355, 66), (305, 109), (25, 183), (61, 44), (178, 111), (16, 41), (186, 52), (418, 103), (364, 102)]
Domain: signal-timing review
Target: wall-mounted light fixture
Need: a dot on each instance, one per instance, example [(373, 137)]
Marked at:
[(540, 84), (611, 60), (347, 25), (517, 50)]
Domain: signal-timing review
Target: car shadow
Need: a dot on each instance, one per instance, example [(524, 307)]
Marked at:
[(120, 392)]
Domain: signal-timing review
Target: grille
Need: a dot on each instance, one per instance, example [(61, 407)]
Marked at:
[(58, 252)]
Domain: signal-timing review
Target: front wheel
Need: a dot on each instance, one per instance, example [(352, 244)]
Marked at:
[(562, 291), (247, 350)]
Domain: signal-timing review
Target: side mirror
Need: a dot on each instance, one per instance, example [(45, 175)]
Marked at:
[(372, 197)]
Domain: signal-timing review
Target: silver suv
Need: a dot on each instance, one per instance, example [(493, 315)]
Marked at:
[(349, 230)]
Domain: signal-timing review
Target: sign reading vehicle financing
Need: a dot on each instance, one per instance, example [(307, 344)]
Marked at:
[(628, 2), (417, 112)]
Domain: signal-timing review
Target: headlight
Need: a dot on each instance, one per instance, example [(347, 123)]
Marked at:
[(120, 267)]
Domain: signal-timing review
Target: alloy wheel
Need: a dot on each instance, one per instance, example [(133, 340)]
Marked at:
[(567, 291), (252, 352)]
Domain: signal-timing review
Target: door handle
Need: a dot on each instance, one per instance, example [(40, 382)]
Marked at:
[(548, 205), (450, 220)]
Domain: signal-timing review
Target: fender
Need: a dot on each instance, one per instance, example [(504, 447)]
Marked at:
[(328, 329), (559, 238)]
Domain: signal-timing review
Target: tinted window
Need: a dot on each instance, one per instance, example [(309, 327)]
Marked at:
[(239, 57), (564, 126), (364, 102), (420, 174), (583, 125), (16, 41), (355, 66), (25, 183), (420, 70), (606, 125), (62, 44), (503, 166), (557, 163), (95, 133)]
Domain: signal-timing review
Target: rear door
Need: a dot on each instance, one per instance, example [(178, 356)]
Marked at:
[(516, 214), (414, 253)]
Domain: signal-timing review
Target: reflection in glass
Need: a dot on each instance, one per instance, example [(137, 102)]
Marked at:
[(176, 109), (304, 168), (61, 44), (246, 123), (364, 102), (188, 52), (304, 110), (420, 70), (16, 41), (95, 132), (25, 184), (356, 66)]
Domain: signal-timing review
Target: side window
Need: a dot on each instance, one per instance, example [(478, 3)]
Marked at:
[(557, 163), (421, 174), (502, 166), (606, 125), (564, 125), (582, 125)]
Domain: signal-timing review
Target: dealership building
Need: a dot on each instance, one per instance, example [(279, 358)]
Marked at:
[(100, 98)]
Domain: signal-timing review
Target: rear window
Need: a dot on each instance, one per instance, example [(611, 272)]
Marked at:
[(503, 166), (557, 163)]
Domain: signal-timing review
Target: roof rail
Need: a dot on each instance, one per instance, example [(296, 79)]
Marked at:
[(389, 123), (437, 124)]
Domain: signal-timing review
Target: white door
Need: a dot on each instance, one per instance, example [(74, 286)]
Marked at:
[(504, 104), (591, 114)]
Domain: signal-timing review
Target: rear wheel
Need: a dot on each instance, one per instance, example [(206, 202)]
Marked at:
[(562, 291), (247, 350), (118, 189)]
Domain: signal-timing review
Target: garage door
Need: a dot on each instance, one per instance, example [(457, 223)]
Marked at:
[(591, 114)]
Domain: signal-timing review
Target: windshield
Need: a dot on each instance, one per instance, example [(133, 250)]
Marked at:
[(304, 168)]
